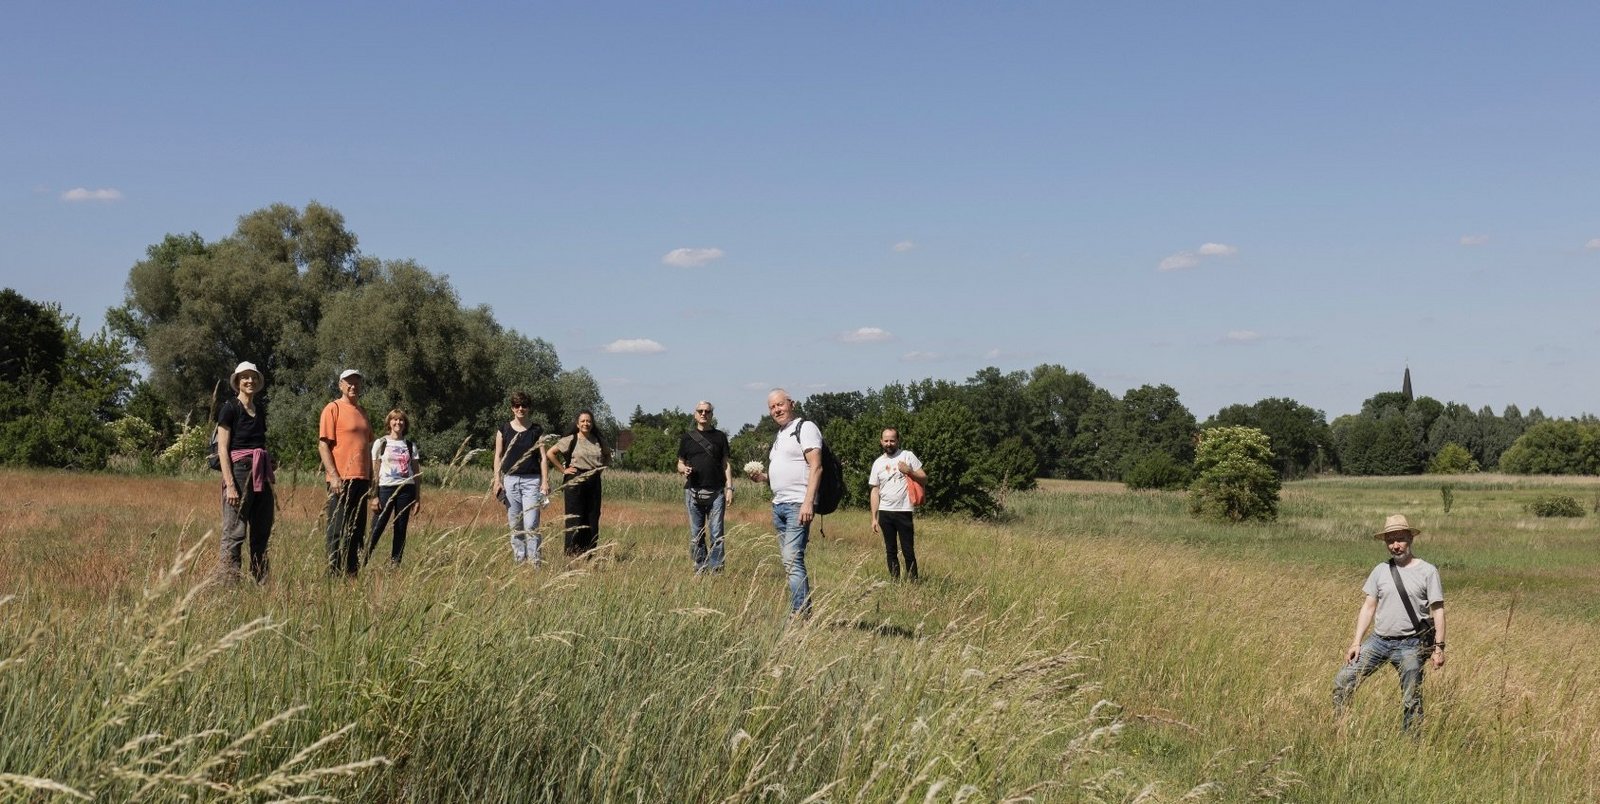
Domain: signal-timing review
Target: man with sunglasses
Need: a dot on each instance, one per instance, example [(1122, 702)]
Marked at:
[(707, 487)]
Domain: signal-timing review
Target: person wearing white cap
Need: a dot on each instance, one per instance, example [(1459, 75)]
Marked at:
[(247, 499), (1405, 609), (344, 439)]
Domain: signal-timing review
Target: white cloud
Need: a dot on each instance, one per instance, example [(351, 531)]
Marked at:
[(77, 194), (920, 356), (1592, 245), (1242, 336), (691, 257), (993, 354), (904, 246), (1474, 239), (1184, 260), (866, 335), (1181, 261), (757, 386), (634, 346)]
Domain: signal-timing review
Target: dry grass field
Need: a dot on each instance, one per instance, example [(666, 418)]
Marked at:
[(1095, 645)]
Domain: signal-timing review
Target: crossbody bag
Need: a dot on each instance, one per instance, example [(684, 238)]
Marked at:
[(1421, 628)]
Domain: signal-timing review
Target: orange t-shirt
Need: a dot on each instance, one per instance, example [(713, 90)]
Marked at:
[(344, 426)]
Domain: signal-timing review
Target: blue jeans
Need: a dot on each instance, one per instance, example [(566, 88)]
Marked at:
[(522, 515), (1406, 654), (705, 524), (792, 538)]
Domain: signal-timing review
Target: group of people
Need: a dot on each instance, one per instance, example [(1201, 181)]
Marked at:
[(1403, 605), (352, 461)]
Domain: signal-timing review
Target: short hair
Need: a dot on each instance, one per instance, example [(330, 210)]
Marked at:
[(894, 430), (520, 397), (397, 413)]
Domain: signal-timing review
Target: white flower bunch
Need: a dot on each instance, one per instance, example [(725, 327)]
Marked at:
[(753, 468)]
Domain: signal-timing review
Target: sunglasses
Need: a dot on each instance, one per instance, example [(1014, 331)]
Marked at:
[(706, 411)]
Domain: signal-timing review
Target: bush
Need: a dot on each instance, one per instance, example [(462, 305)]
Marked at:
[(1555, 505), (1158, 470), (1234, 477), (1452, 459)]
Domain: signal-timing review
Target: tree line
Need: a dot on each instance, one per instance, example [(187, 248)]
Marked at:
[(290, 291)]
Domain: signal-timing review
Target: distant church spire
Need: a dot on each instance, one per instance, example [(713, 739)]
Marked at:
[(1405, 387)]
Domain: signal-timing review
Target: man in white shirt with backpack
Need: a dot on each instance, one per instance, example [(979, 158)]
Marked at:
[(794, 468)]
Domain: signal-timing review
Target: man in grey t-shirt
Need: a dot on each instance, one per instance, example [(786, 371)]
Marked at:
[(1403, 635)]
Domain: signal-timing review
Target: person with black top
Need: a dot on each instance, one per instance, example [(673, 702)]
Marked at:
[(582, 456), (247, 500), (520, 472), (707, 488)]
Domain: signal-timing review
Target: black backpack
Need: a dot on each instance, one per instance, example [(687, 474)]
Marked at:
[(832, 491)]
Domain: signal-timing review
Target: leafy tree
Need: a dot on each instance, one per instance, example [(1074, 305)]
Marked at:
[(1058, 401), (55, 412), (33, 343), (1234, 477), (1157, 470), (1452, 459), (943, 435), (1301, 439), (1556, 447), (655, 440)]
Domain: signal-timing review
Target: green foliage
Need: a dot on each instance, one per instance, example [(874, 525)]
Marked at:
[(33, 343), (1555, 505), (1157, 470), (1377, 443), (960, 471), (655, 440), (1452, 459), (1234, 478), (289, 291), (133, 437), (1447, 495), (1301, 440), (1555, 447), (54, 412)]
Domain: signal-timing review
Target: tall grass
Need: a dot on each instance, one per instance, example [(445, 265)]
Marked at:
[(1100, 645)]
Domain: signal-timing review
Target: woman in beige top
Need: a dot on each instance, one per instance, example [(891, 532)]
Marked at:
[(582, 456)]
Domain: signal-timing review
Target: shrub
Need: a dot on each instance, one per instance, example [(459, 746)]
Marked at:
[(1158, 470), (1234, 478), (1555, 505), (1452, 459), (1447, 493)]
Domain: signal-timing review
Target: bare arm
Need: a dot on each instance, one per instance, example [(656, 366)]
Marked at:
[(224, 454), (331, 472), (813, 485), (1438, 633), (920, 475), (1363, 621), (499, 453), (874, 509)]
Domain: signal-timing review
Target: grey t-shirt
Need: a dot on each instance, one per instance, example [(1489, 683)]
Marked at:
[(1422, 583)]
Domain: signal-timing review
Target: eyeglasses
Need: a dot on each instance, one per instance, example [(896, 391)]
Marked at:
[(519, 407), (706, 411)]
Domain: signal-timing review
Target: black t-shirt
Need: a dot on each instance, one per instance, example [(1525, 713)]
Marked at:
[(705, 467), (522, 450), (244, 431)]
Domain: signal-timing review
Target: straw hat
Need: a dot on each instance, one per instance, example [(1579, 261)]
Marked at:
[(1394, 524), (244, 367)]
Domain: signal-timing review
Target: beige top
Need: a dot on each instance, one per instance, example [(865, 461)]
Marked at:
[(588, 457)]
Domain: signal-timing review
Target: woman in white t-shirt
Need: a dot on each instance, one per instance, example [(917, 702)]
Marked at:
[(395, 464)]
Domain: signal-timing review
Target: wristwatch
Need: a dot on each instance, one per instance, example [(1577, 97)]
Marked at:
[(1439, 645)]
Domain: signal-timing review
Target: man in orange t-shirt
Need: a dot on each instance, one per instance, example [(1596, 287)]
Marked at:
[(344, 439)]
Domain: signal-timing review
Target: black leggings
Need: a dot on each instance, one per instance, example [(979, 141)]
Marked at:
[(898, 524), (582, 525)]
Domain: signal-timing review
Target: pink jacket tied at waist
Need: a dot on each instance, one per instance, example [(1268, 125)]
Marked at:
[(260, 466)]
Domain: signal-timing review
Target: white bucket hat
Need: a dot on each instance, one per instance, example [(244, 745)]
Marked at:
[(244, 367)]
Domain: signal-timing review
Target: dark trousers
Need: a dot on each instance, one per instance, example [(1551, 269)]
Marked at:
[(347, 526), (582, 525), (396, 502), (248, 524), (899, 525)]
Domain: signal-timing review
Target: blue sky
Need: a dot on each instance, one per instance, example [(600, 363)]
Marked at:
[(1240, 200)]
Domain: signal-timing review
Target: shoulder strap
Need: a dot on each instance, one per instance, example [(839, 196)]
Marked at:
[(705, 443), (383, 444), (1405, 597)]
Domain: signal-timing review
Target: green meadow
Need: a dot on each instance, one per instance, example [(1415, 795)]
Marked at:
[(1094, 644)]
